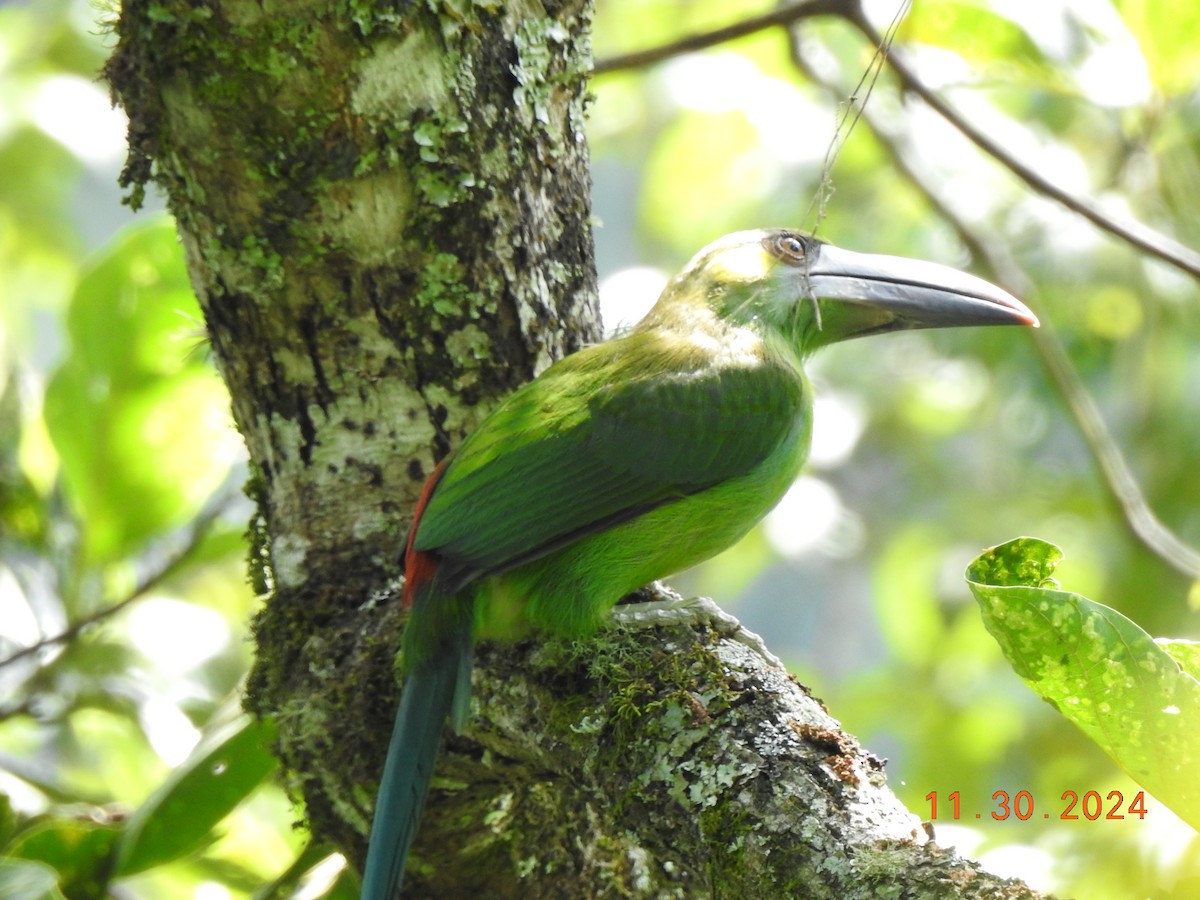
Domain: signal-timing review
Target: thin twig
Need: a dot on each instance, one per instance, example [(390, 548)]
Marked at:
[(784, 15), (1132, 232), (1115, 471), (1117, 474), (850, 111), (188, 537)]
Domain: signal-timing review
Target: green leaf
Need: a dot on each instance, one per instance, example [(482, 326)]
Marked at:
[(78, 850), (26, 880), (1165, 31), (1186, 653), (337, 877), (181, 816), (42, 193), (983, 35), (1126, 692), (734, 168), (139, 421)]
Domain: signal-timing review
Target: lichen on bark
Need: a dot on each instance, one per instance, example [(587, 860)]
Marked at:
[(385, 216), (384, 209)]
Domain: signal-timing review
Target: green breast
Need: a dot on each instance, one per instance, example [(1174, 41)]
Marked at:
[(571, 590)]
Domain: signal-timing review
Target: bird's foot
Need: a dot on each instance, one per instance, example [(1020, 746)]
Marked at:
[(678, 610)]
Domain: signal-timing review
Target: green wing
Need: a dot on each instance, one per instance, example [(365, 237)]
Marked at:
[(600, 438)]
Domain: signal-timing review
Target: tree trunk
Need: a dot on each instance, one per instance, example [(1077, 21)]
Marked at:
[(384, 209)]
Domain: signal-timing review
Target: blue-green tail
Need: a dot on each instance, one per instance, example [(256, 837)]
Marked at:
[(437, 688)]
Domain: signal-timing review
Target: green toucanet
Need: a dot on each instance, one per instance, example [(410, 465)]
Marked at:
[(629, 461)]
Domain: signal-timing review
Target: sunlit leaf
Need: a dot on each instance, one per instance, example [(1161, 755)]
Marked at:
[(78, 849), (42, 194), (180, 817), (1097, 668), (21, 511), (346, 886), (980, 33), (138, 419), (1166, 31), (27, 880), (660, 21), (1186, 653), (315, 872), (733, 167), (110, 749)]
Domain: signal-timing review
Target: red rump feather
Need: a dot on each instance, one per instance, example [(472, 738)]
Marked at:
[(419, 567)]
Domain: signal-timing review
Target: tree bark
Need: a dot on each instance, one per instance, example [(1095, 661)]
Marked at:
[(384, 209)]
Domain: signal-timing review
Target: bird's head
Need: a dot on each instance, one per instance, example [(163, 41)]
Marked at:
[(815, 294)]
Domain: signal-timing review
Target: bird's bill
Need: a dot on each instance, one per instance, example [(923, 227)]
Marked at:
[(907, 293)]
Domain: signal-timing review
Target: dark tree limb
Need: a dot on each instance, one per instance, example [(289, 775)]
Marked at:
[(386, 222), (1115, 473), (1136, 234)]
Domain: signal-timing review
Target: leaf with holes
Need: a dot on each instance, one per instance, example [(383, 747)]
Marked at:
[(181, 816), (1137, 698)]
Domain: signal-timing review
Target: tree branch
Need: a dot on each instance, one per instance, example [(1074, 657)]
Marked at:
[(1137, 234), (379, 256), (697, 768), (1117, 476), (1131, 232), (1115, 473), (158, 563), (783, 15)]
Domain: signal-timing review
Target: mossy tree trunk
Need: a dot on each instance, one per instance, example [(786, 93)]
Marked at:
[(384, 209)]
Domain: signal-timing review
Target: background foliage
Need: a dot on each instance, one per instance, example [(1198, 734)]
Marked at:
[(119, 467)]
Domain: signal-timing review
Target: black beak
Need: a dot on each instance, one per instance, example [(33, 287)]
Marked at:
[(907, 293)]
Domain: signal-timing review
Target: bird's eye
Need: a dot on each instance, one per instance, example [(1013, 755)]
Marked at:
[(790, 246)]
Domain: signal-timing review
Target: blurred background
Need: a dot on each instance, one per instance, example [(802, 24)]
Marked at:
[(120, 468)]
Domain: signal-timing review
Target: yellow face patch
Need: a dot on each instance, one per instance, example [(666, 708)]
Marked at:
[(747, 262)]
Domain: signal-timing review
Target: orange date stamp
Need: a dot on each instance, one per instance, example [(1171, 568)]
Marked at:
[(1089, 806)]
